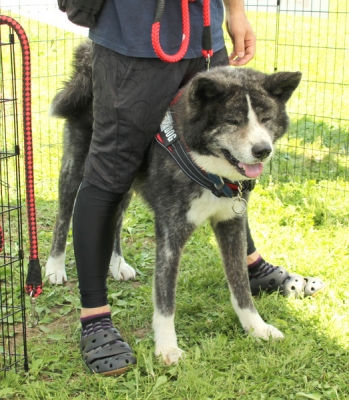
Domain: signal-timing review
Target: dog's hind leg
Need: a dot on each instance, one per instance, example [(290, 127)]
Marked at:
[(76, 143), (231, 237), (118, 266), (169, 245), (55, 266)]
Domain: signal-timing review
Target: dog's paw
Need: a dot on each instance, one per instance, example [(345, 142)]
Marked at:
[(120, 270), (266, 332), (55, 270), (170, 355)]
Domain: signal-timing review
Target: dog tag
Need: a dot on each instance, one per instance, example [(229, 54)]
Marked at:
[(239, 205)]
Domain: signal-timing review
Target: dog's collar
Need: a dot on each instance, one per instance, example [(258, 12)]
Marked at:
[(220, 187)]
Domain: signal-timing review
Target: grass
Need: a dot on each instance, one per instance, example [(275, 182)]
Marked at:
[(306, 233), (299, 219)]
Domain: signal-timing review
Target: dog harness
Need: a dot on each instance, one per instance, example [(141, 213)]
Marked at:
[(168, 139)]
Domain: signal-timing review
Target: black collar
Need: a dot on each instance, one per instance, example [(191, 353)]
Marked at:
[(220, 187)]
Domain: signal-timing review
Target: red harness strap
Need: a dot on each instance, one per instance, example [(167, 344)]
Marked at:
[(207, 50)]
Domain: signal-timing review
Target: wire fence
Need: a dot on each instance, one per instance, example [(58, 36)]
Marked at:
[(311, 36), (13, 354)]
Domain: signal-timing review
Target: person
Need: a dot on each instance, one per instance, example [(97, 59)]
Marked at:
[(132, 89)]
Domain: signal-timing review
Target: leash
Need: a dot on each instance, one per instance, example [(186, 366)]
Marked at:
[(207, 50), (168, 139), (34, 284)]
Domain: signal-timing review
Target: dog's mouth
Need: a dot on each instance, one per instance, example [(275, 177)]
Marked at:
[(248, 170)]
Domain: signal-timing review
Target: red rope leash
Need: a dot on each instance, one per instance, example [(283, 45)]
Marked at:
[(206, 35), (34, 281)]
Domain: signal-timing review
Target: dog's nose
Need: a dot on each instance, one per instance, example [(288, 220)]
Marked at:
[(261, 150)]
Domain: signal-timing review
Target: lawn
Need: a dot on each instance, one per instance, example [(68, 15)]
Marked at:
[(305, 232), (299, 217)]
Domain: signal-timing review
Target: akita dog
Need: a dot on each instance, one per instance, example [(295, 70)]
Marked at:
[(223, 125)]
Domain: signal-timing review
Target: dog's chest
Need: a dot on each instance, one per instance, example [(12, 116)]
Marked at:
[(208, 206)]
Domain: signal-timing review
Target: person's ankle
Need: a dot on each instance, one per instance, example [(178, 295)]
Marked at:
[(252, 258), (89, 312)]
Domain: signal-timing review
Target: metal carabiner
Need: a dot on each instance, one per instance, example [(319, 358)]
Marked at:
[(33, 316), (207, 62)]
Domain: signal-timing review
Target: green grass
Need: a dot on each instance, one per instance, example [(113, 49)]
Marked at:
[(306, 233), (299, 219)]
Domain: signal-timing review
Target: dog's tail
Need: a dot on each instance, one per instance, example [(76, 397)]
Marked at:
[(76, 94)]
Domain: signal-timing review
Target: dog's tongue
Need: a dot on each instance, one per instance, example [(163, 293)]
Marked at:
[(252, 170)]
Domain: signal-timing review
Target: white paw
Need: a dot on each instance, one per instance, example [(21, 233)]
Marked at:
[(170, 355), (119, 268), (266, 332), (55, 270), (165, 338), (254, 324)]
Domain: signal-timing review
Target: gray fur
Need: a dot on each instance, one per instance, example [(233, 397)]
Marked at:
[(211, 115)]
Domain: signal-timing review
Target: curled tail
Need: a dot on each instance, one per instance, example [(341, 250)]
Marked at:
[(76, 94)]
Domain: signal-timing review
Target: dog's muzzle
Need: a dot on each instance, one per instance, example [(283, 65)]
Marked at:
[(248, 170)]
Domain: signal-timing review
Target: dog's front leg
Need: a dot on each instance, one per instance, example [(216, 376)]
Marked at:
[(169, 244), (231, 236)]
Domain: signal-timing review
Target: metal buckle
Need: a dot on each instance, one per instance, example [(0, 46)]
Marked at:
[(221, 185)]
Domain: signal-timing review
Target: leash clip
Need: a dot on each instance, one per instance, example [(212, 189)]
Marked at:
[(207, 62), (33, 316), (239, 205)]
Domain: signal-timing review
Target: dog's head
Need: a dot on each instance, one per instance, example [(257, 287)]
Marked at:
[(230, 118)]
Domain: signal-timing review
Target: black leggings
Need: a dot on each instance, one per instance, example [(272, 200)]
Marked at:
[(95, 216), (251, 248), (94, 223)]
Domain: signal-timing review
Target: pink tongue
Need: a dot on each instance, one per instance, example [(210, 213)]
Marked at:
[(252, 170)]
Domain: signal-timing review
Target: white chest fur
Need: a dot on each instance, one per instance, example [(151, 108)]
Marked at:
[(209, 206)]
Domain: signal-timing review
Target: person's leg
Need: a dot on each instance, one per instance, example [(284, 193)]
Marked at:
[(265, 277), (260, 271), (130, 99), (254, 259), (93, 231), (252, 254)]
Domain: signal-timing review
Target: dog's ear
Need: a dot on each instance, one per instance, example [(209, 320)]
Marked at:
[(203, 89), (282, 84)]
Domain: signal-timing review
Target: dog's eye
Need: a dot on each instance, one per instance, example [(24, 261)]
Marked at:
[(265, 120)]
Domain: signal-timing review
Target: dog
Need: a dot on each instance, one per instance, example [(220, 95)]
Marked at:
[(225, 122)]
